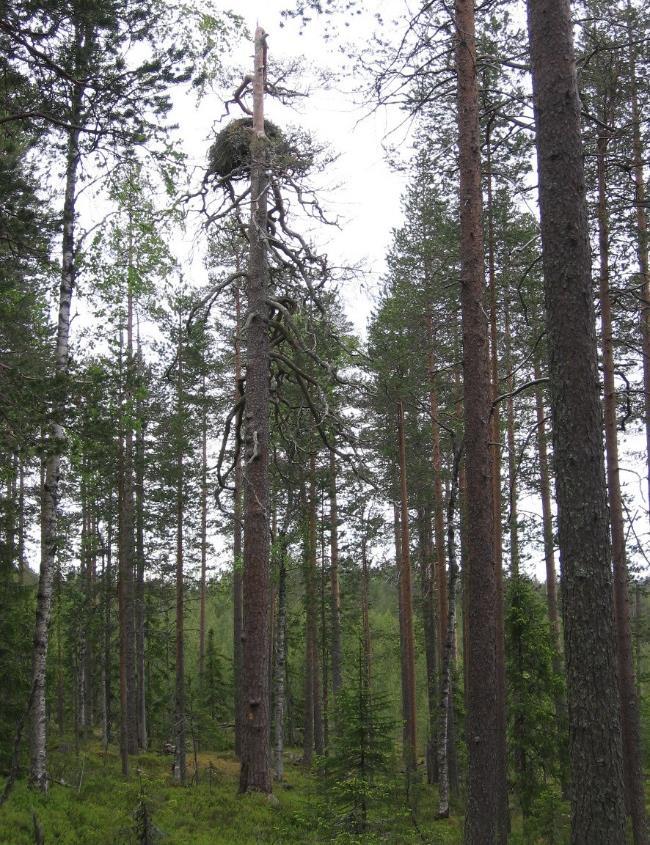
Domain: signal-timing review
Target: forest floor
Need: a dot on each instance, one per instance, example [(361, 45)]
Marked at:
[(89, 803)]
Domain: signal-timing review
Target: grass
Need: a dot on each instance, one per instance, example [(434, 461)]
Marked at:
[(91, 804)]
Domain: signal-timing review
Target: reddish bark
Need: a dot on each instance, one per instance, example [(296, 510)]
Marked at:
[(504, 823), (481, 819)]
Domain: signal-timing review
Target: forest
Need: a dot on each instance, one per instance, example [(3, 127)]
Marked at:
[(299, 546)]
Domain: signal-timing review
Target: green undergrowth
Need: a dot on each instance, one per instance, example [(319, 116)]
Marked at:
[(89, 803)]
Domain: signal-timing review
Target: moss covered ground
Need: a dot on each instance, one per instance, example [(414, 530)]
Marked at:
[(89, 803)]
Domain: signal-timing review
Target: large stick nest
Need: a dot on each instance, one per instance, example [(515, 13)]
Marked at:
[(229, 157)]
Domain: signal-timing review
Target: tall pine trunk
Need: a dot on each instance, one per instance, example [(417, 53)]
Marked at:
[(406, 605), (204, 526), (502, 798), (179, 709), (427, 607), (107, 586), (630, 719), (314, 738), (598, 811), (485, 773), (334, 579), (397, 533), (127, 557), (255, 772), (280, 661), (440, 574), (446, 705), (238, 662), (324, 653), (365, 610), (140, 615)]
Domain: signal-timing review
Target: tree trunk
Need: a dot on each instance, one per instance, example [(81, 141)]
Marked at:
[(107, 554), (598, 811), (312, 657), (140, 609), (204, 526), (60, 667), (334, 580), (485, 773), (440, 577), (280, 662), (324, 656), (140, 616), (519, 754), (410, 748), (129, 510), (50, 493), (123, 611), (127, 557), (512, 452), (446, 705), (429, 629), (238, 660), (308, 708), (630, 719), (179, 710), (549, 545), (255, 760), (83, 618), (638, 625), (365, 611), (397, 531), (504, 818)]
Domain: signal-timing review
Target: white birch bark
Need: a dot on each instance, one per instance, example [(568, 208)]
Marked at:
[(38, 751)]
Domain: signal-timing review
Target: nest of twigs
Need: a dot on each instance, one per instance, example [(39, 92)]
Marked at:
[(229, 157)]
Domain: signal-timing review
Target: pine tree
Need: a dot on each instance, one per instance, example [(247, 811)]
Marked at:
[(598, 813), (361, 751)]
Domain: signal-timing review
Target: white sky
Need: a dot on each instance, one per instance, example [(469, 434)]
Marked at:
[(358, 190)]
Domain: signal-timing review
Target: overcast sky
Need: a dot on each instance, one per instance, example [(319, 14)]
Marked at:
[(358, 190)]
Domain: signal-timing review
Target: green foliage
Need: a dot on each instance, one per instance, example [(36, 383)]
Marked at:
[(548, 819), (16, 617), (535, 738), (107, 810), (213, 705), (354, 775), (146, 833)]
